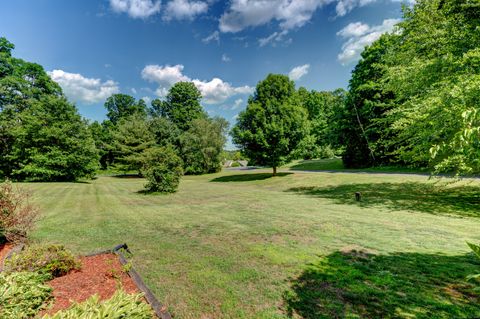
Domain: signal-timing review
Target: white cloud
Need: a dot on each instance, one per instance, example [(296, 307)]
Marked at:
[(214, 91), (290, 14), (147, 99), (237, 104), (215, 36), (345, 6), (184, 9), (82, 89), (136, 8), (226, 58), (358, 35), (298, 72), (274, 39)]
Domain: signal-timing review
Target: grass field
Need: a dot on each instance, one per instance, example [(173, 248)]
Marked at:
[(245, 245)]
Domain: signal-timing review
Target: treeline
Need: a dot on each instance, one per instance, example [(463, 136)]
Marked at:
[(414, 97), (413, 100), (43, 137)]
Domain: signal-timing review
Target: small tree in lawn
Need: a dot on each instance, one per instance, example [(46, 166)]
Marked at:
[(162, 167), (273, 124)]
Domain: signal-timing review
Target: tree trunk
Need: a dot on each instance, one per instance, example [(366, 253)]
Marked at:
[(274, 171)]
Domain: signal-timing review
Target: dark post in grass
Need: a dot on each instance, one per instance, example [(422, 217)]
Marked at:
[(358, 196)]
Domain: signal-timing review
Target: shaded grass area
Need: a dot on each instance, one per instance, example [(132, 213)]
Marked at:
[(247, 177), (335, 164), (459, 200), (229, 249), (356, 284)]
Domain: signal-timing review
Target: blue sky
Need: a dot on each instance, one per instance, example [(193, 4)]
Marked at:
[(141, 47)]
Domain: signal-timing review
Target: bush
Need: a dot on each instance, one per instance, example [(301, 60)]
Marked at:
[(121, 305), (22, 294), (53, 260), (163, 168), (17, 216)]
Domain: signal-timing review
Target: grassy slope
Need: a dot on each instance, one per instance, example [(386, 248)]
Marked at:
[(243, 245)]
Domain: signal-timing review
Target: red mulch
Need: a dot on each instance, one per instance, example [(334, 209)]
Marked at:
[(100, 274), (4, 249)]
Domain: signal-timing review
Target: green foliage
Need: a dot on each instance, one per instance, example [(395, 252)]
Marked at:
[(273, 123), (17, 215), (322, 108), (51, 260), (202, 145), (181, 106), (131, 137), (162, 168), (122, 106), (165, 132), (42, 136), (23, 294), (476, 251), (120, 305)]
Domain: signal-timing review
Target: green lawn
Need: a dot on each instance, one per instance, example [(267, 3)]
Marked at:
[(245, 245)]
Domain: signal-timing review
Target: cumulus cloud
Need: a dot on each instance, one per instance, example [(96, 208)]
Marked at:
[(215, 36), (298, 72), (358, 35), (290, 14), (136, 8), (274, 39), (184, 9), (214, 91), (82, 89)]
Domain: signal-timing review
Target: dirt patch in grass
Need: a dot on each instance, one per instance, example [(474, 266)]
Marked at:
[(4, 250), (100, 274)]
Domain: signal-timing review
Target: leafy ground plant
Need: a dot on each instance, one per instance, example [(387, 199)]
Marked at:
[(22, 294), (17, 216), (120, 305), (53, 260)]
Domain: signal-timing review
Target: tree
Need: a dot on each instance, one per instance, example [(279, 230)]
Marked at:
[(364, 126), (201, 147), (435, 72), (181, 106), (165, 132), (321, 108), (273, 123), (131, 138), (122, 105), (52, 143), (162, 167)]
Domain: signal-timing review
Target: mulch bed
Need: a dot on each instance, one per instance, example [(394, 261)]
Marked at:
[(100, 274)]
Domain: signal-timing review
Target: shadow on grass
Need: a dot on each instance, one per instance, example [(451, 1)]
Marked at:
[(127, 176), (403, 285), (424, 197), (247, 177)]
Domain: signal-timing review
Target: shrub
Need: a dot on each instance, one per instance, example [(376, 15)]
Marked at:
[(53, 260), (22, 294), (120, 305), (17, 216), (163, 168)]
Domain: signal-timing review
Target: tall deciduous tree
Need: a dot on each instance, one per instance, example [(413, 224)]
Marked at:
[(122, 105), (273, 123), (42, 136), (181, 106)]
